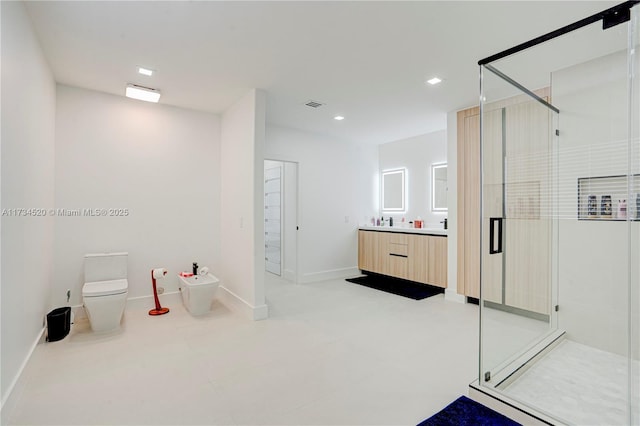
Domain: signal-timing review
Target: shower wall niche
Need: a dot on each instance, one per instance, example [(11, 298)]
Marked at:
[(560, 237)]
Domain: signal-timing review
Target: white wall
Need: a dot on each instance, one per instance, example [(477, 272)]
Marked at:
[(417, 154), (242, 201), (593, 255), (338, 190), (161, 163), (28, 126)]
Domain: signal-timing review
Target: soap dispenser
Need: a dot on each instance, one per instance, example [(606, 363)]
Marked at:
[(195, 268)]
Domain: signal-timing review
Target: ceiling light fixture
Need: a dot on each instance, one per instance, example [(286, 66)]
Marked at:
[(434, 81), (338, 117), (145, 71), (142, 93)]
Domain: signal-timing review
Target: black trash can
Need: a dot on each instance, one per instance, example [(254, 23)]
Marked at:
[(58, 324)]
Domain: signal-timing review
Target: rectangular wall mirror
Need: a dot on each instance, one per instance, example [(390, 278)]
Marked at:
[(393, 190), (439, 187)]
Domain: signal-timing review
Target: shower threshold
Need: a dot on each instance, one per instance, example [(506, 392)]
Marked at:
[(512, 368)]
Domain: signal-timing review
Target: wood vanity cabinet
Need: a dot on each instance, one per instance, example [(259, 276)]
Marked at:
[(437, 261), (368, 252), (416, 257)]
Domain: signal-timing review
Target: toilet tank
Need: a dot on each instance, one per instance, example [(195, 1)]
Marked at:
[(105, 266)]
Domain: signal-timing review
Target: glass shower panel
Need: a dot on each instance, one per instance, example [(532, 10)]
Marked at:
[(560, 249), (517, 296), (634, 215)]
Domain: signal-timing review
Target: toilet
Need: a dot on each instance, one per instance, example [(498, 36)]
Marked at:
[(104, 293), (197, 292)]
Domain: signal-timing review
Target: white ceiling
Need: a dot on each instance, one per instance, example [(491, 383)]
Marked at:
[(367, 61)]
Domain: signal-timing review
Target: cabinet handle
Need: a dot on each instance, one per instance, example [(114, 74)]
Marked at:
[(492, 234), (398, 255)]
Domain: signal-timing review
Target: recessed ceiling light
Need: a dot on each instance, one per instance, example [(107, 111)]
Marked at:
[(145, 71), (142, 93), (434, 80), (338, 117)]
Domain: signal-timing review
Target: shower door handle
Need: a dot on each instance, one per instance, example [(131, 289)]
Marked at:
[(492, 235)]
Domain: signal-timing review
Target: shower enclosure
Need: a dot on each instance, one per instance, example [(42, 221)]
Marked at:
[(560, 239)]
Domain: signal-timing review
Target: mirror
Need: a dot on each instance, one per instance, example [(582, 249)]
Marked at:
[(393, 190), (439, 187)]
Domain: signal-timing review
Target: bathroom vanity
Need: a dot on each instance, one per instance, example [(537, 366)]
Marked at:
[(412, 254)]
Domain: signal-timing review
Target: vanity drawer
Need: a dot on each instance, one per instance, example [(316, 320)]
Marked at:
[(396, 238), (398, 266), (398, 249)]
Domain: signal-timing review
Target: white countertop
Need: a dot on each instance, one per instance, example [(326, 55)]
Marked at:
[(407, 230)]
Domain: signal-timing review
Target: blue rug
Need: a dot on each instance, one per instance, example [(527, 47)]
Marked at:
[(466, 412)]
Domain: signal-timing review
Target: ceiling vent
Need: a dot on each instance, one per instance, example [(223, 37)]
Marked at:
[(314, 104)]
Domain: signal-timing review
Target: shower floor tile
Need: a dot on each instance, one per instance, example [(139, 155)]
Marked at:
[(579, 384)]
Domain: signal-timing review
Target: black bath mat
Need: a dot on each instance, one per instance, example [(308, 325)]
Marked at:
[(410, 289), (466, 412)]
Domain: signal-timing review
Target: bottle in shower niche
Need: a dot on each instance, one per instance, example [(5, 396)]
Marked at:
[(592, 206), (622, 209), (605, 206)]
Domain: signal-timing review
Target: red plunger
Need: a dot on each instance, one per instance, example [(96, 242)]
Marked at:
[(159, 310)]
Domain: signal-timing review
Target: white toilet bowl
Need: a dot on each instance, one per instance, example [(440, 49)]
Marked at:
[(197, 292), (104, 293)]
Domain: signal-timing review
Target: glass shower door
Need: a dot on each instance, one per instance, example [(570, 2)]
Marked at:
[(560, 230), (518, 290)]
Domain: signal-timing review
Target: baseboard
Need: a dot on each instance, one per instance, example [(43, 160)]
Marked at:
[(17, 385), (289, 275), (78, 313), (238, 304), (330, 274), (147, 301), (452, 295)]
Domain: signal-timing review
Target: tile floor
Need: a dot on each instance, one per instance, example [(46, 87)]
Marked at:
[(331, 353), (579, 384)]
